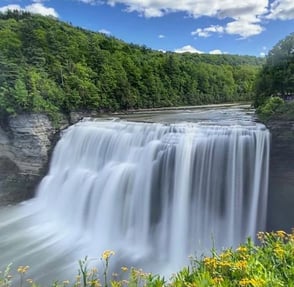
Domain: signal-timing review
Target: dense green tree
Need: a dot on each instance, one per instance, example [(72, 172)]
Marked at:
[(277, 76), (50, 66)]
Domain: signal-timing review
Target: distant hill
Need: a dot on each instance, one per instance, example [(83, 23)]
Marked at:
[(48, 65)]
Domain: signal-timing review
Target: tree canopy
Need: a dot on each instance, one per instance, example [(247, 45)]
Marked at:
[(50, 66), (277, 75)]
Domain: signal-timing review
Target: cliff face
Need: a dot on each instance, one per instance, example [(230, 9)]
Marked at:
[(281, 181), (25, 143)]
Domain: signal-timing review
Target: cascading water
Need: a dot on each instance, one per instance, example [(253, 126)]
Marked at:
[(153, 193)]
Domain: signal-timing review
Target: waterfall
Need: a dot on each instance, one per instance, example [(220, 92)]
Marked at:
[(155, 193)]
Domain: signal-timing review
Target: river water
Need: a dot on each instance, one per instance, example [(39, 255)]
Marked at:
[(154, 187)]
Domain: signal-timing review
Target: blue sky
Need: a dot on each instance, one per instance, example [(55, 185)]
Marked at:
[(248, 27)]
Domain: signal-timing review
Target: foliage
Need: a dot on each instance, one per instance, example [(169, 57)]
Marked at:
[(277, 75), (267, 264), (285, 112), (269, 107), (50, 66)]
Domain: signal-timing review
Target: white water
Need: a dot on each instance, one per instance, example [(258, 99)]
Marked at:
[(153, 193)]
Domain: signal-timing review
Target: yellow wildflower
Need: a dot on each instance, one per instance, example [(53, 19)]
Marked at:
[(244, 282), (242, 264), (281, 234), (226, 255), (22, 269), (218, 280), (255, 282), (242, 249), (124, 269), (279, 251), (95, 283), (210, 262), (106, 254), (224, 263), (261, 236)]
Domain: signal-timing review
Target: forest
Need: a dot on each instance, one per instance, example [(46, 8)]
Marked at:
[(50, 66), (274, 88)]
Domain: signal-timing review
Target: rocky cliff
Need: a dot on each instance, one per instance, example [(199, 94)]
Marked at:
[(281, 180), (25, 144)]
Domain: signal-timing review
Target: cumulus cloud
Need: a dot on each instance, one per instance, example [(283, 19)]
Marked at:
[(241, 27), (10, 7), (245, 15), (216, 52), (104, 31), (208, 31), (160, 36), (188, 49), (282, 10), (191, 49), (36, 8)]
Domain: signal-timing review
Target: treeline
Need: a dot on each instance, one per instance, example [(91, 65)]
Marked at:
[(274, 95), (48, 65), (276, 78)]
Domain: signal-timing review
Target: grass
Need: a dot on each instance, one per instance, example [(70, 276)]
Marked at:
[(269, 263)]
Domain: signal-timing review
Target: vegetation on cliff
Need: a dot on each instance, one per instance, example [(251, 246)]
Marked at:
[(275, 82), (48, 65)]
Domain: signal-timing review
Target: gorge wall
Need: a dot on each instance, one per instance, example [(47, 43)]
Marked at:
[(281, 179), (25, 144)]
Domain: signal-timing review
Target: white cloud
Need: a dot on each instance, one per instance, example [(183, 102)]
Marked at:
[(191, 49), (39, 1), (196, 8), (282, 10), (188, 49), (245, 16), (91, 2), (10, 7), (36, 8), (208, 31), (264, 51), (160, 36), (243, 28), (216, 52), (104, 31)]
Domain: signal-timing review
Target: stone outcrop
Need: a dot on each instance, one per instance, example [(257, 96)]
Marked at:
[(25, 144), (281, 180)]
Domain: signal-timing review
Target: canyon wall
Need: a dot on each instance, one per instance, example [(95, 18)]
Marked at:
[(25, 144)]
